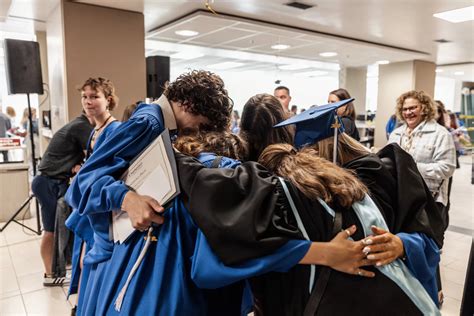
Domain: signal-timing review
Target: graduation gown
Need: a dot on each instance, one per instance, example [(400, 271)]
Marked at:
[(276, 293), (162, 284), (81, 226), (397, 187)]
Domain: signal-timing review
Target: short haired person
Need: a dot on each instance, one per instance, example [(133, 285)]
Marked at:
[(431, 146), (282, 93), (59, 163)]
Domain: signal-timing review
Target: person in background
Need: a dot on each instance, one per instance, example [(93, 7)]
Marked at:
[(129, 109), (431, 146), (5, 125), (64, 154), (346, 113), (11, 113), (25, 125), (282, 93), (392, 124), (235, 122), (294, 109), (98, 99)]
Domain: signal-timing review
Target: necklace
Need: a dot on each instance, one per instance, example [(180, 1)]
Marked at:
[(97, 131), (103, 124)]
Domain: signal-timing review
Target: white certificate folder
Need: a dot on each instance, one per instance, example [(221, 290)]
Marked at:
[(153, 172)]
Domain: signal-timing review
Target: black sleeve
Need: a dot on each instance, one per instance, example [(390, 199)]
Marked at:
[(416, 209), (350, 127), (81, 133), (243, 212)]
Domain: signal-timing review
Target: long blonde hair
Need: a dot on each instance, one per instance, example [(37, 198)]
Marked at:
[(347, 148), (314, 176)]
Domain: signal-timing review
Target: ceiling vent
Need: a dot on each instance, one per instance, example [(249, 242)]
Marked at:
[(299, 5), (442, 41)]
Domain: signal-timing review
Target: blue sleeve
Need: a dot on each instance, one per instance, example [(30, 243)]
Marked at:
[(95, 188), (422, 259), (207, 271)]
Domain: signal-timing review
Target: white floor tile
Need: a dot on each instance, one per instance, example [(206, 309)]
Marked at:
[(451, 307), (5, 260), (8, 281), (12, 306), (47, 301), (30, 282)]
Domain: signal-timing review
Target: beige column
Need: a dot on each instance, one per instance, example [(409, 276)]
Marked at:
[(356, 84), (395, 79), (91, 41), (43, 100)]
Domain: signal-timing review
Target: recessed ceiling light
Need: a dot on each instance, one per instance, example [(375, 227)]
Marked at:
[(293, 67), (186, 33), (187, 55), (439, 70), (328, 54), (280, 46), (225, 65), (457, 16), (459, 73), (382, 62)]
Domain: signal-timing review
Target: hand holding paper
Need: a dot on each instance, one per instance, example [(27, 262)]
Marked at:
[(142, 210), (153, 179)]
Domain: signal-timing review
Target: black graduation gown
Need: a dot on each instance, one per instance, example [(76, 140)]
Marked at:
[(244, 214), (398, 189)]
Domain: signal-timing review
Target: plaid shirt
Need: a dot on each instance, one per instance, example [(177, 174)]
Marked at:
[(432, 148)]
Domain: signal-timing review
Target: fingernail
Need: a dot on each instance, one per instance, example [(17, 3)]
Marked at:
[(366, 250), (367, 241), (378, 264), (370, 257)]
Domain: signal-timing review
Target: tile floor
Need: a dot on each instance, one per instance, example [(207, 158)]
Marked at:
[(22, 292)]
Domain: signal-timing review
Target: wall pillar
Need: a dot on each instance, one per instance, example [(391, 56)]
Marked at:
[(91, 41), (395, 79)]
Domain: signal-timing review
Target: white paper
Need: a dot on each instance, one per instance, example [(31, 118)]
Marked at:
[(153, 173)]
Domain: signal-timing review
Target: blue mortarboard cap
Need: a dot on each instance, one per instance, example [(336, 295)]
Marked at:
[(315, 123)]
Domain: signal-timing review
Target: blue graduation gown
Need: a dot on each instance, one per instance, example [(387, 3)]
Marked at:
[(162, 284), (81, 226)]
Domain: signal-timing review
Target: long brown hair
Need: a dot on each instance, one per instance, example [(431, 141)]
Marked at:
[(314, 176), (260, 114), (347, 148), (349, 109)]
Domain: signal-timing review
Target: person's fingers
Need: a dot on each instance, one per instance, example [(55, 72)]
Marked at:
[(380, 239), (154, 204), (365, 273), (156, 218), (379, 248), (378, 230), (380, 256), (346, 233)]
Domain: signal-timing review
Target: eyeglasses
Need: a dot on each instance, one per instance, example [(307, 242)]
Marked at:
[(411, 109)]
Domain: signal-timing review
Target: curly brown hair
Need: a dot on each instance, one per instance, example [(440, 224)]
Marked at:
[(221, 143), (104, 85), (260, 114), (428, 107), (202, 93), (314, 176)]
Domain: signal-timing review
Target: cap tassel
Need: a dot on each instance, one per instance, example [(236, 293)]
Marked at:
[(121, 295), (336, 127)]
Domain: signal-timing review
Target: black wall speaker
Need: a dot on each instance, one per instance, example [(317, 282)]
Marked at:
[(23, 67), (157, 74)]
